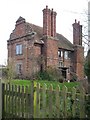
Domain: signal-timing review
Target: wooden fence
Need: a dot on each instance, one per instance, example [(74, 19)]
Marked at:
[(41, 102)]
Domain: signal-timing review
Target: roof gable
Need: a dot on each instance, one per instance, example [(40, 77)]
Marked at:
[(24, 28)]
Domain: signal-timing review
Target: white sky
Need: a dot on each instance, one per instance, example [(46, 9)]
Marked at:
[(31, 10)]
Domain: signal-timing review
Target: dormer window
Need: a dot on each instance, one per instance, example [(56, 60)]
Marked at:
[(19, 49)]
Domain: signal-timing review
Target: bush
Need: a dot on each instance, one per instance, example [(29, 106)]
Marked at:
[(8, 73), (87, 66), (73, 77), (51, 74)]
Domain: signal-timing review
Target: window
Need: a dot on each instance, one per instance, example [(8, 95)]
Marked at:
[(60, 64), (66, 54), (60, 53), (19, 68), (18, 49)]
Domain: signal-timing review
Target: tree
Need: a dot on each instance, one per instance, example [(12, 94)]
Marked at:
[(87, 66)]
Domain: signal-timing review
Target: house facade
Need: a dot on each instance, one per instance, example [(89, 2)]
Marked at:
[(32, 48)]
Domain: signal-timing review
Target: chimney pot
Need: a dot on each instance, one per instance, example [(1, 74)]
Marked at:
[(79, 22), (46, 6), (75, 21)]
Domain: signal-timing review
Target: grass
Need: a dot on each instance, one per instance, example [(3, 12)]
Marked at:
[(48, 83), (21, 82)]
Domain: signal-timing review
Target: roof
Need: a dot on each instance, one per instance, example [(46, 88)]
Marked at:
[(63, 42), (29, 28)]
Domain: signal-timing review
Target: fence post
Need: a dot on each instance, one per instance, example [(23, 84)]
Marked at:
[(32, 99), (0, 100)]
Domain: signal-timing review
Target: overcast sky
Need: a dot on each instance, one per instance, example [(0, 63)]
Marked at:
[(31, 10)]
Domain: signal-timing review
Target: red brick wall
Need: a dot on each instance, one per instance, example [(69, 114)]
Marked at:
[(79, 61), (51, 51)]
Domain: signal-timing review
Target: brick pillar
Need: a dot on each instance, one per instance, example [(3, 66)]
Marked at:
[(53, 23), (77, 33), (47, 21)]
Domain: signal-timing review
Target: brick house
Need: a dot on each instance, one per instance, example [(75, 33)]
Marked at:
[(32, 48)]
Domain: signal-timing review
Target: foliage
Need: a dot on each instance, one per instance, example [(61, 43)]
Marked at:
[(74, 77), (4, 72), (87, 65), (88, 106), (8, 72), (51, 74)]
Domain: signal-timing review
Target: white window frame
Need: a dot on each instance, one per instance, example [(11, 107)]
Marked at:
[(19, 49)]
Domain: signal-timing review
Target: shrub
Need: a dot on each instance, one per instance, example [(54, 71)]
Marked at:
[(51, 74), (8, 73), (73, 77), (87, 66)]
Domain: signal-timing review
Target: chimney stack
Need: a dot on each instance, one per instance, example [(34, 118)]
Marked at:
[(49, 22), (77, 33), (53, 23)]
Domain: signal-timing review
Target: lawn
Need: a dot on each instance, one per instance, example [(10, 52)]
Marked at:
[(48, 83)]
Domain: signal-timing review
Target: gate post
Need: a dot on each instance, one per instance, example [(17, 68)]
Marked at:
[(0, 100)]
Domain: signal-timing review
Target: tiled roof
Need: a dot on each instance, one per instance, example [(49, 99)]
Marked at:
[(63, 42), (37, 29)]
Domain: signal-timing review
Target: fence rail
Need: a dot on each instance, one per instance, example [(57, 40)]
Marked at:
[(41, 102)]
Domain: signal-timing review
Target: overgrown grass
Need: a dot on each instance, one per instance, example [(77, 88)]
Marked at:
[(48, 83), (21, 82)]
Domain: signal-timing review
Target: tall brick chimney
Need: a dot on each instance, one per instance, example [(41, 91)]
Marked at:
[(77, 33), (53, 23), (50, 43), (47, 21), (78, 50)]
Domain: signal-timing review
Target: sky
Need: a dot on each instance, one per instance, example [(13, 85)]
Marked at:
[(31, 10)]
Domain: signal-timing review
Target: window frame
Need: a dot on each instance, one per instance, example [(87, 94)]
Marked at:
[(60, 53), (19, 49), (19, 68)]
